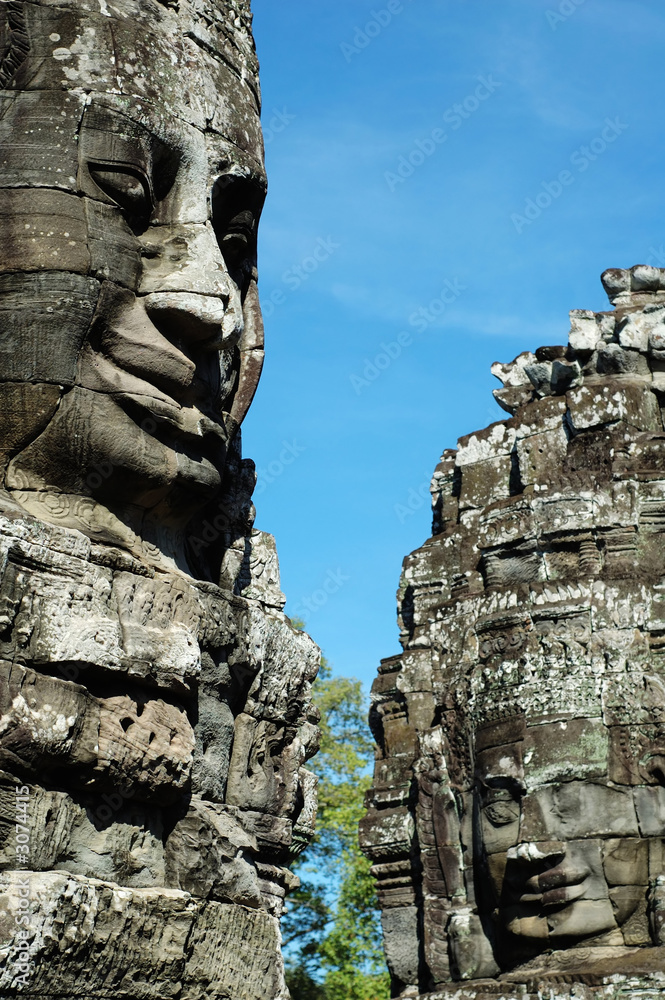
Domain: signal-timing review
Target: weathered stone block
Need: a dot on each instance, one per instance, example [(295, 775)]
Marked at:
[(88, 935), (400, 936), (46, 722), (485, 482), (495, 441), (584, 330), (560, 751), (388, 832), (541, 456), (206, 854), (608, 404)]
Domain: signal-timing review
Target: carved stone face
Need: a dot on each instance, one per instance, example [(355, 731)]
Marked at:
[(131, 328), (565, 848)]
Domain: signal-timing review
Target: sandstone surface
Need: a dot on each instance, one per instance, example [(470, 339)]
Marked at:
[(155, 709)]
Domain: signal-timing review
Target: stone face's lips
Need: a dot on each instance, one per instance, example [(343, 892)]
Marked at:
[(103, 374), (563, 896), (555, 878), (554, 887), (566, 893)]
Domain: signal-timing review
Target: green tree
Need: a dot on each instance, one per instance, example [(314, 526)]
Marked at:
[(331, 929)]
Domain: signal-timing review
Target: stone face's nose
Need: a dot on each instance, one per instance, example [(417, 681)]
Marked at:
[(210, 322), (184, 258), (186, 289)]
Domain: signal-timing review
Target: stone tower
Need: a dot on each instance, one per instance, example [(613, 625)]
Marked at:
[(517, 818), (155, 709)]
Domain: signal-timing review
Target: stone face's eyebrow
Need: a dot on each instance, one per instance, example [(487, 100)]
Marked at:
[(108, 136)]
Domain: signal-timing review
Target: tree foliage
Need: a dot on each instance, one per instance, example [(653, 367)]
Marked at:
[(331, 928)]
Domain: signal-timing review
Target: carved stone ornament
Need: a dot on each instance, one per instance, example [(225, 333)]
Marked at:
[(155, 712), (517, 819)]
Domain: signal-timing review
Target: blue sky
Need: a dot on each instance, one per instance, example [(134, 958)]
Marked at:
[(408, 243)]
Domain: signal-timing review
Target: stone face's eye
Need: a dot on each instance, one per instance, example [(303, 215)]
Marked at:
[(238, 239), (236, 230), (126, 186), (502, 813), (500, 806)]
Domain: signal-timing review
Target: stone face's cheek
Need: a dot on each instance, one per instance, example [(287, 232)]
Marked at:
[(25, 410), (114, 249), (131, 342), (44, 319), (626, 861)]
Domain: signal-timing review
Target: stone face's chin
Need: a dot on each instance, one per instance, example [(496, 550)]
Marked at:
[(560, 913), (93, 447), (585, 918)]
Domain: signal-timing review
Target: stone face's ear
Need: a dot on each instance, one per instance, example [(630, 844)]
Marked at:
[(471, 952), (657, 910)]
